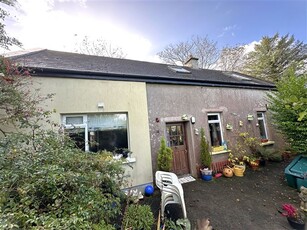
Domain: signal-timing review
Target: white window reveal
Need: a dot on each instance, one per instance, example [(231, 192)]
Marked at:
[(262, 125), (215, 129), (96, 132)]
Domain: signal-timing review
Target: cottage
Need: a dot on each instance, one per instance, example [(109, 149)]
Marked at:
[(119, 103)]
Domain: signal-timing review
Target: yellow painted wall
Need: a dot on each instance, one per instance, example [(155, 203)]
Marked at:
[(81, 96)]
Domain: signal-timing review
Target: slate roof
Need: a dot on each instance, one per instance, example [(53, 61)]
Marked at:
[(73, 65)]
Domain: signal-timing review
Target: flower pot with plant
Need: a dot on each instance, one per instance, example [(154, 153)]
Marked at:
[(165, 157), (295, 217), (205, 157)]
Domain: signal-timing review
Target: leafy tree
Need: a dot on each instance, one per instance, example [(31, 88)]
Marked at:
[(46, 183), (20, 107), (289, 109), (201, 47), (99, 47), (231, 58), (205, 155), (5, 40), (274, 55), (165, 157)]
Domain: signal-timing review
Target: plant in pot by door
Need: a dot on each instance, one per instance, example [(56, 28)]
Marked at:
[(165, 157), (295, 217), (205, 157)]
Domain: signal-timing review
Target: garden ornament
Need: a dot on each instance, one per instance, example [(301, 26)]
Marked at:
[(303, 197)]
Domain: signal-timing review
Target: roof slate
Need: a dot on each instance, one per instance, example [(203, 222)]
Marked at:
[(45, 61)]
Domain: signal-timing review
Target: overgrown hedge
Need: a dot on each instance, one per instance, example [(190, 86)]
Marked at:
[(46, 183)]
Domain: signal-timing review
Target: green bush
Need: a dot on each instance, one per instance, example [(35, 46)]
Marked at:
[(45, 182), (289, 109), (138, 217), (165, 157), (48, 184), (205, 155)]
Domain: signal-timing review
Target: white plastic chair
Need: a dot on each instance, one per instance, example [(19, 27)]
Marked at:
[(173, 194), (165, 178)]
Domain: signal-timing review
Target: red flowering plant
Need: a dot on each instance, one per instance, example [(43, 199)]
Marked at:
[(293, 213)]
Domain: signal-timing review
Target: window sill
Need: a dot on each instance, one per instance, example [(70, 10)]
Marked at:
[(129, 160), (220, 152), (267, 143)]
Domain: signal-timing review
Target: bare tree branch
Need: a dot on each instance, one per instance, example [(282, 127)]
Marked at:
[(201, 47), (99, 47), (232, 58)]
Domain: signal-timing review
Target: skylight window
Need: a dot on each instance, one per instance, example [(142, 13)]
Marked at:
[(178, 69), (240, 77)]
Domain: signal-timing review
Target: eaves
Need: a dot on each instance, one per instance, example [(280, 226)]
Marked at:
[(77, 74)]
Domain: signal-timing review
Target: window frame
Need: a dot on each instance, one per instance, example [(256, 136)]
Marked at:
[(84, 126), (219, 121), (263, 119)]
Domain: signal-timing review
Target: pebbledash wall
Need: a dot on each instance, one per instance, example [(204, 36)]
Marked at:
[(167, 104), (81, 96)]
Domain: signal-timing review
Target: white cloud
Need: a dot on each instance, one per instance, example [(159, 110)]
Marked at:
[(250, 47), (41, 25), (228, 29)]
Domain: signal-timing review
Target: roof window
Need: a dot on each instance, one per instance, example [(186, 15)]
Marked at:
[(240, 77), (178, 69)]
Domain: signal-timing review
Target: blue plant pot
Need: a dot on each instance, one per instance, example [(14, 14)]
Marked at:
[(206, 177)]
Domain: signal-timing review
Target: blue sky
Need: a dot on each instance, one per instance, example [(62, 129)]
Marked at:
[(144, 27)]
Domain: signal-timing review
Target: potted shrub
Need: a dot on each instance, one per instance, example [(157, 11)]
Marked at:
[(205, 157), (295, 217), (165, 157)]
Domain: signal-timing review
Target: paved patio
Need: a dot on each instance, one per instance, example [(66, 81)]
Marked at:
[(249, 202)]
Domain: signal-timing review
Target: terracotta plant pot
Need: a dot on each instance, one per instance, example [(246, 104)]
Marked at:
[(254, 164)]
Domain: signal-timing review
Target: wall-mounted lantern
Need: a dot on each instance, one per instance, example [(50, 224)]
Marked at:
[(250, 117)]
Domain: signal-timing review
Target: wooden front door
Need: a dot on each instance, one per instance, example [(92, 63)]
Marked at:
[(177, 141)]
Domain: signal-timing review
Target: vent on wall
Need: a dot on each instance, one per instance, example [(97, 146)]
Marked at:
[(178, 69)]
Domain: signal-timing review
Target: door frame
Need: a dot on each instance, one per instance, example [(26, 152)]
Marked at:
[(185, 133)]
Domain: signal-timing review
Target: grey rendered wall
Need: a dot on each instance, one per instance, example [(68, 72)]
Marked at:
[(168, 103)]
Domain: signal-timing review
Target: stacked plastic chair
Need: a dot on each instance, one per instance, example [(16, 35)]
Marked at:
[(171, 191)]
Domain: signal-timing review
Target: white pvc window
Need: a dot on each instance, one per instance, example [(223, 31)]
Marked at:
[(262, 125), (96, 132), (215, 129)]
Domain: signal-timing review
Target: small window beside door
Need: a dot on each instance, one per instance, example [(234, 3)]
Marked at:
[(215, 129), (262, 125)]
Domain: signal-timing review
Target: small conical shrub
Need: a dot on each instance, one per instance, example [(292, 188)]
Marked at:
[(165, 157), (205, 155)]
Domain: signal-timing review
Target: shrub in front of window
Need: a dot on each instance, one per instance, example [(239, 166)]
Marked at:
[(205, 155), (56, 186), (165, 157), (46, 183)]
